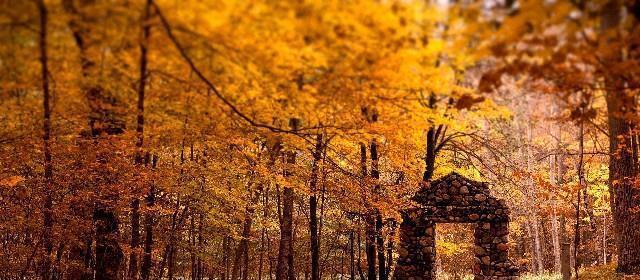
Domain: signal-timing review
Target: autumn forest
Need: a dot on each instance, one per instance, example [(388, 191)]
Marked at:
[(319, 139)]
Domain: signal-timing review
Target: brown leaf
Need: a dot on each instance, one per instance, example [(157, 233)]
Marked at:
[(467, 101)]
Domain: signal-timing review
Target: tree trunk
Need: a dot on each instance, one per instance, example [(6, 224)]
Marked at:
[(622, 190), (554, 178), (225, 258), (360, 272), (430, 158), (604, 239), (263, 237), (169, 251), (192, 245), (581, 186), (538, 247), (199, 248), (103, 119), (565, 252), (555, 237), (392, 232), (313, 215), (240, 264), (370, 231), (622, 172), (375, 175), (47, 241), (285, 269), (148, 228), (352, 267), (135, 204), (135, 238)]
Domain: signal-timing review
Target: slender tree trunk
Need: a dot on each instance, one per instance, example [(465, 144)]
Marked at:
[(360, 272), (604, 239), (199, 249), (285, 268), (352, 267), (554, 179), (192, 245), (313, 215), (382, 270), (135, 238), (225, 258), (532, 247), (392, 232), (263, 237), (581, 185), (555, 238), (286, 236), (103, 119), (169, 251), (47, 241), (430, 158), (536, 252), (375, 175), (538, 246), (370, 231), (148, 228), (240, 264), (135, 204), (171, 261), (565, 246), (565, 252)]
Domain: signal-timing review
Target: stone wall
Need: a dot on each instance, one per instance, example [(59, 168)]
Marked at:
[(455, 199)]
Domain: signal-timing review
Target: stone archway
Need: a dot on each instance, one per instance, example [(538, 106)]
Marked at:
[(455, 199)]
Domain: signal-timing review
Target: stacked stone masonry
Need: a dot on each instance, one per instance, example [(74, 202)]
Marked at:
[(455, 199)]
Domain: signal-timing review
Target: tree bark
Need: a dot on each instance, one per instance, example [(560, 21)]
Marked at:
[(430, 157), (225, 258), (192, 245), (581, 185), (240, 264), (623, 192), (148, 228), (135, 238), (263, 237), (313, 214), (369, 219), (622, 172), (47, 241), (103, 119), (135, 204), (392, 232), (352, 267), (565, 252), (555, 177), (360, 272), (285, 269), (199, 268), (375, 175)]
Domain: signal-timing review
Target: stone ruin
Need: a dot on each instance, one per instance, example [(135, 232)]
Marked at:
[(455, 199)]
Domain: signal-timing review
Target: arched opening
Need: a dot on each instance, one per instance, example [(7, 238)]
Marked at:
[(454, 251), (455, 199)]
